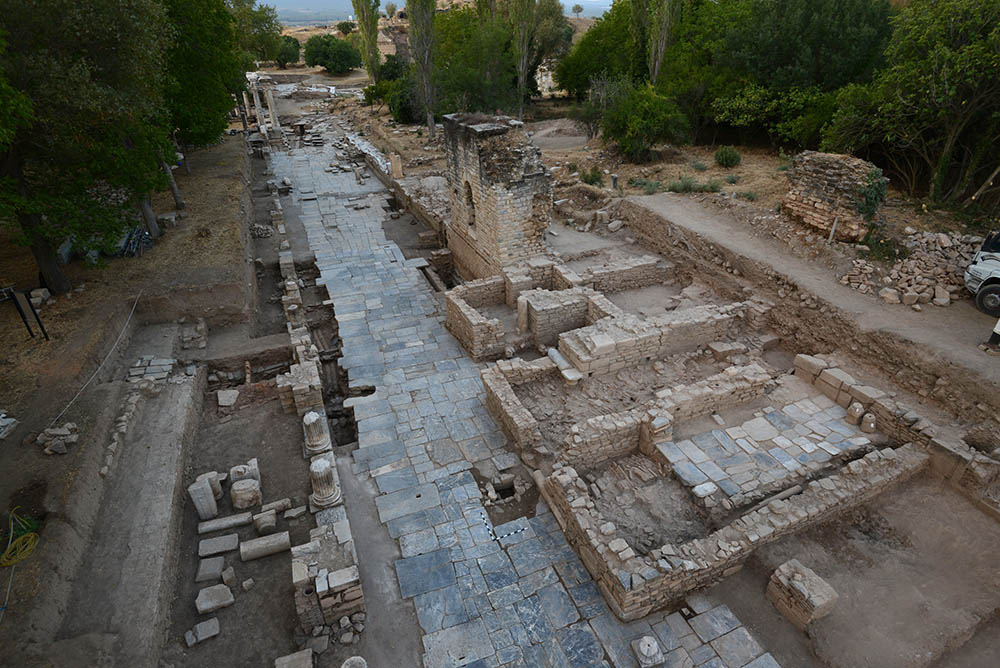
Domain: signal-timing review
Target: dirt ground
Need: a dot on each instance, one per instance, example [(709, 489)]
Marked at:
[(203, 249), (256, 428), (913, 578)]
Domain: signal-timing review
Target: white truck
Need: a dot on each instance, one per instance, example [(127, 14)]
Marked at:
[(982, 277)]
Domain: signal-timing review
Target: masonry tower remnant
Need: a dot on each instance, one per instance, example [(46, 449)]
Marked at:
[(500, 192)]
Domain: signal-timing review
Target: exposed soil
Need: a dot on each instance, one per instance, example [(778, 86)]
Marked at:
[(648, 507)]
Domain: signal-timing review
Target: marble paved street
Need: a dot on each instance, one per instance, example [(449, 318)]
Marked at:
[(524, 600)]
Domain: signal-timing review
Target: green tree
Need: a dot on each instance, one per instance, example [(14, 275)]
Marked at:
[(663, 16), (94, 75), (345, 27), (640, 120), (258, 31), (935, 109), (473, 63), (420, 14), (204, 67), (390, 9), (539, 30), (599, 52), (577, 10), (289, 51), (367, 13), (783, 44), (334, 55)]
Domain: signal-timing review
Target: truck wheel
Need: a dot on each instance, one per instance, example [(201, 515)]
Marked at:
[(988, 300)]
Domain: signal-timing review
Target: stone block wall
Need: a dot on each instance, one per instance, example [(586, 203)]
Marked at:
[(629, 274), (636, 585), (614, 343), (547, 314), (973, 473), (514, 419), (482, 337), (735, 385), (825, 187), (500, 193)]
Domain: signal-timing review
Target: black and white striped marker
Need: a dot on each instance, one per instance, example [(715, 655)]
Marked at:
[(493, 535)]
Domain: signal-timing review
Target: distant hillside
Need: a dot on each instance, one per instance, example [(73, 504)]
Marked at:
[(293, 12)]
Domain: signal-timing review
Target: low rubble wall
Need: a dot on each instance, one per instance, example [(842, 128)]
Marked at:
[(635, 585)]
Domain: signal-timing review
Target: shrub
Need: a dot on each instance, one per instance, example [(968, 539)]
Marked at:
[(698, 166), (392, 68), (732, 179), (648, 186), (749, 195), (594, 177), (727, 156), (686, 184), (289, 51), (871, 196), (334, 55), (640, 120), (345, 27), (573, 167)]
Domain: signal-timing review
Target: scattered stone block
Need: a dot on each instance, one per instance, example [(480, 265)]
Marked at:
[(245, 493), (300, 659), (868, 423), (229, 577), (265, 546), (228, 522), (266, 523), (295, 513), (202, 631), (248, 584), (227, 398), (799, 594), (203, 498), (213, 598), (210, 546), (648, 652), (210, 569)]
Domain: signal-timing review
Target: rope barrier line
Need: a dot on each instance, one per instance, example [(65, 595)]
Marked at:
[(101, 365)]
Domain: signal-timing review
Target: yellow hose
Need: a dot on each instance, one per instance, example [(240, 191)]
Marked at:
[(18, 548)]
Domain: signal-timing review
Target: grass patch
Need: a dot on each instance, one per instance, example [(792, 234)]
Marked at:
[(732, 179), (748, 195), (649, 187), (594, 177), (698, 166), (686, 184)]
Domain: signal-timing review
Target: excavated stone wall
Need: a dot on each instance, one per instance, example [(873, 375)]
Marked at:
[(826, 188), (806, 322)]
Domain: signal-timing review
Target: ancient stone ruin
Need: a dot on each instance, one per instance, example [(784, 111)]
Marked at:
[(826, 191), (501, 194)]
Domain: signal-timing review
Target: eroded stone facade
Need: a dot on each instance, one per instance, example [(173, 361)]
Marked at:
[(500, 191)]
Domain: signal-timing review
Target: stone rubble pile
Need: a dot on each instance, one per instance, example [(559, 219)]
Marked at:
[(261, 231), (55, 439), (932, 274)]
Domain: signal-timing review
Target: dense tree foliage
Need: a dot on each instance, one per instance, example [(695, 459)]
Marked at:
[(334, 55), (367, 14), (473, 62), (641, 119), (97, 131), (289, 51), (420, 14), (258, 31), (204, 68), (599, 52), (934, 112), (93, 96)]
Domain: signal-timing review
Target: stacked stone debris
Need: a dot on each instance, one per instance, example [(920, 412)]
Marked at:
[(799, 594), (825, 188), (932, 273)]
